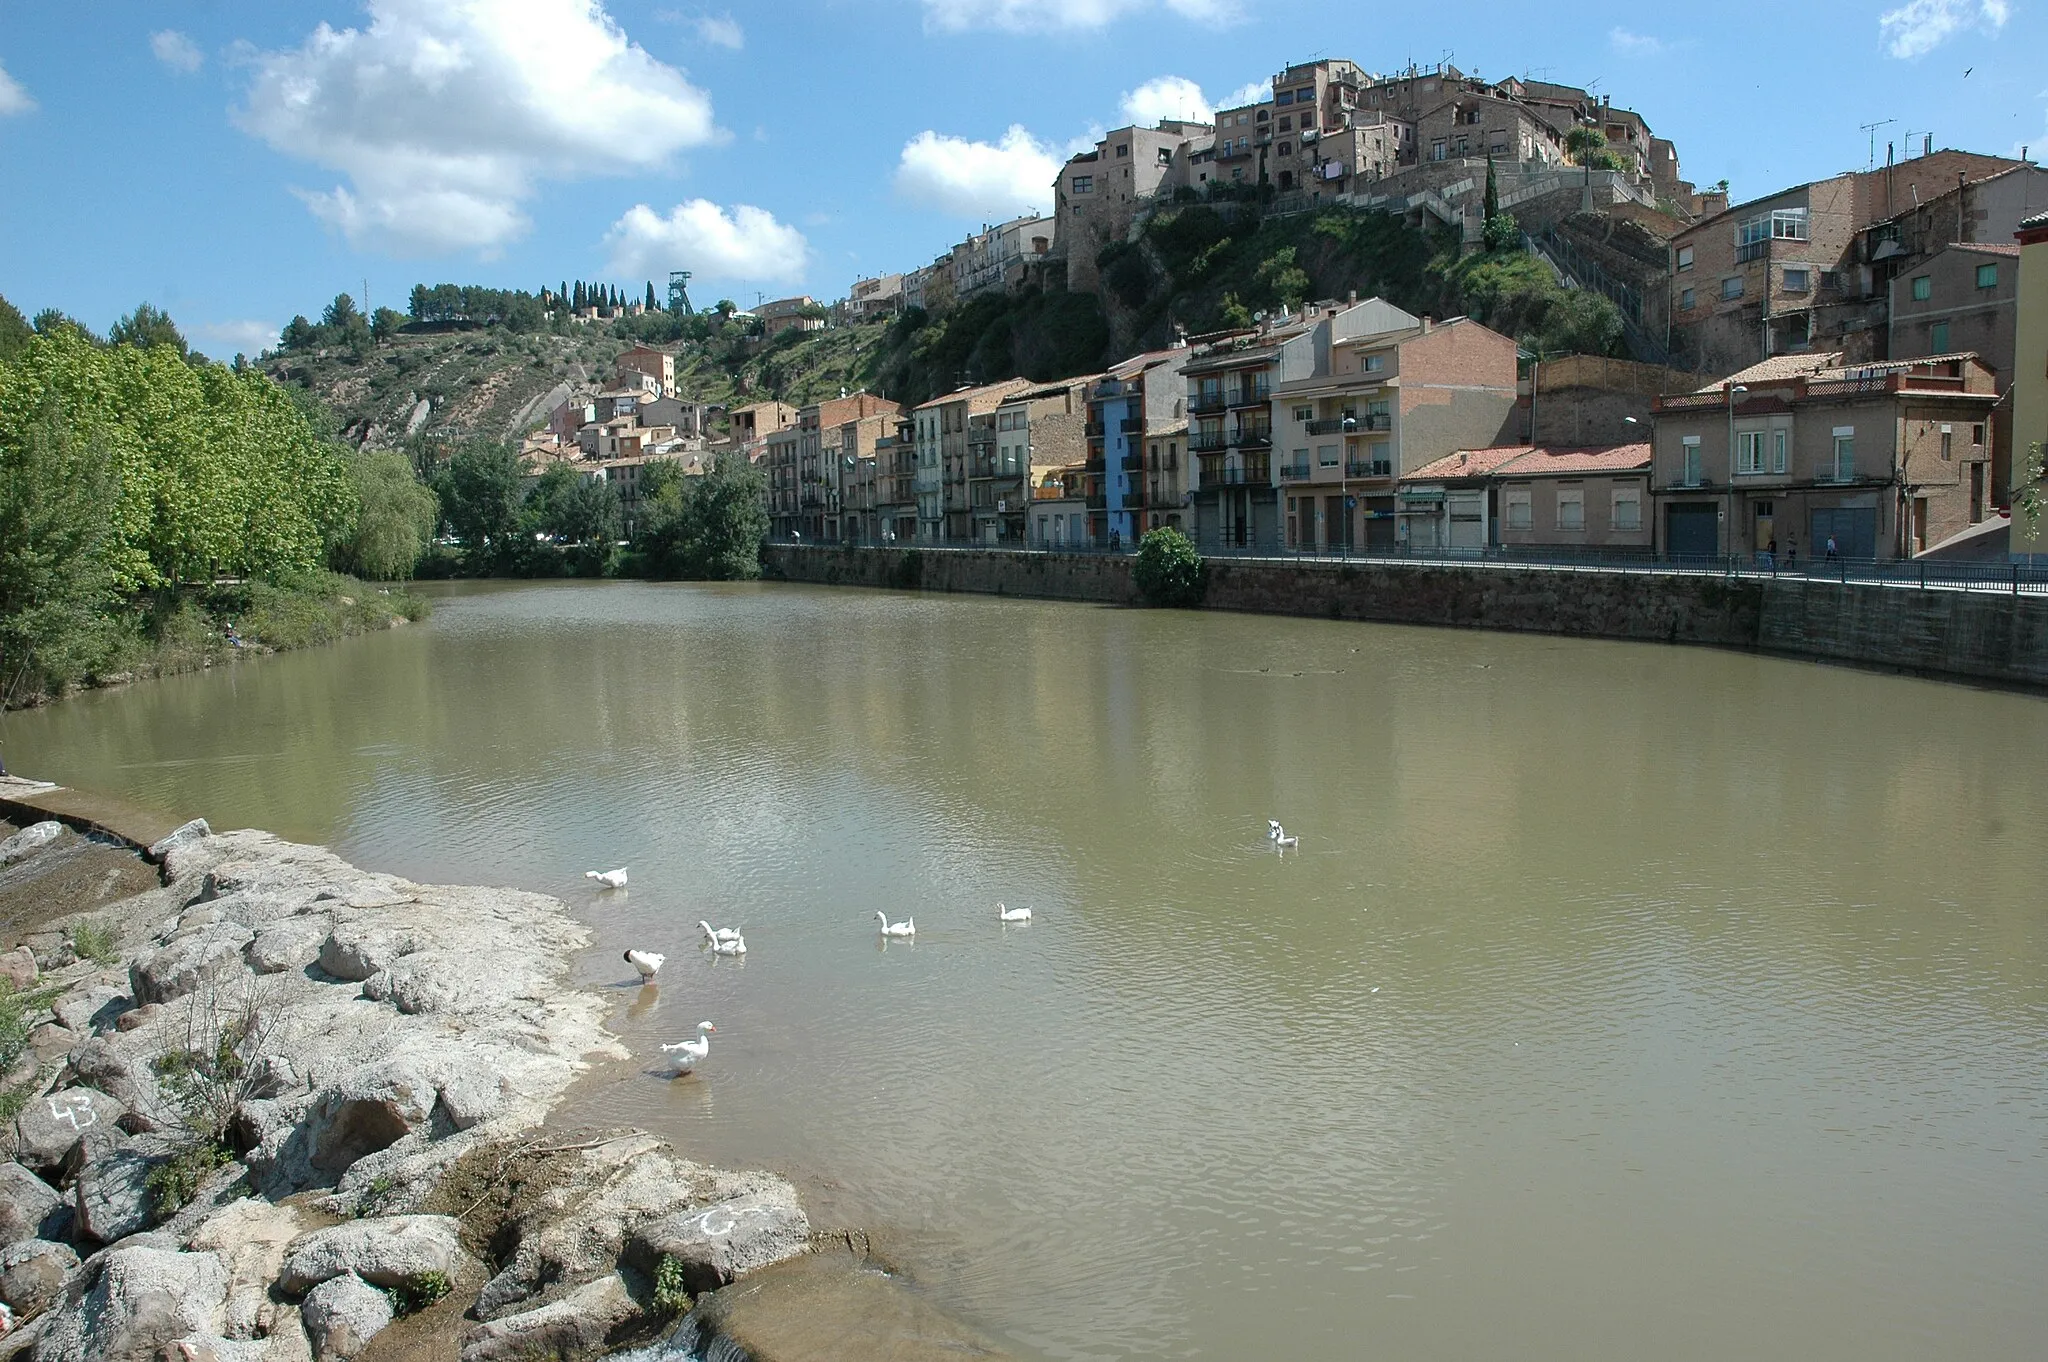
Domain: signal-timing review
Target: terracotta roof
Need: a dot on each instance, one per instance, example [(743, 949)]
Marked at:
[(1989, 247), (1002, 389), (1467, 463), (1546, 463), (2037, 220), (1778, 369)]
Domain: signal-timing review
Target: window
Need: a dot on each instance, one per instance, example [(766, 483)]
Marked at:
[(1749, 451), (1166, 156), (1948, 450), (1685, 257), (1373, 364), (1690, 473), (1326, 456), (1731, 288), (1520, 515), (1753, 238), (1987, 276), (1977, 434), (1571, 510), (1798, 279), (1831, 279), (1938, 337), (1286, 123), (1628, 508), (1287, 148), (1436, 150), (1304, 413), (1685, 299), (1780, 438), (1923, 288), (1842, 467), (1084, 184), (1284, 98)]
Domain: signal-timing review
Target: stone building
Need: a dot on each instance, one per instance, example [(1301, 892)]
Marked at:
[(1099, 193), (1964, 298)]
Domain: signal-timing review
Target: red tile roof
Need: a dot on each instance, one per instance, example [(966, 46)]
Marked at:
[(1548, 463), (1468, 463)]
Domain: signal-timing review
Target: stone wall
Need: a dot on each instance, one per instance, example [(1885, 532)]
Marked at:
[(1978, 635)]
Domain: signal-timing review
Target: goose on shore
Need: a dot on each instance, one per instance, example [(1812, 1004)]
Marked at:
[(684, 1054), (715, 934), (906, 928), (1012, 914), (647, 962), (610, 879), (736, 946)]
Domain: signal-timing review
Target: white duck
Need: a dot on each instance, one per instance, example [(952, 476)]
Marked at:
[(717, 934), (649, 963), (1012, 914), (736, 946), (906, 928), (684, 1054), (610, 879)]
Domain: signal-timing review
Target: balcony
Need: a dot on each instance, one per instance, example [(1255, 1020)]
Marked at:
[(1208, 403), (1132, 425), (1098, 501), (1368, 468), (1251, 473), (1253, 395), (1093, 464), (1352, 424), (1253, 437), (1093, 430), (1132, 463), (1294, 472), (1208, 442)]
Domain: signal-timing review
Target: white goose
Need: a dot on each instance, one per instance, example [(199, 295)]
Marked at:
[(649, 963), (736, 946), (906, 928), (1272, 829), (1281, 839), (610, 879), (684, 1054), (717, 934), (1012, 914)]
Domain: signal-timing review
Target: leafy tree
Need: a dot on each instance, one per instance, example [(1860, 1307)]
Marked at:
[(298, 335), (395, 523), (1168, 570), (708, 528), (385, 323), (480, 499), (55, 580), (342, 314), (1501, 232), (15, 332), (1233, 314), (1580, 143), (50, 322), (652, 306), (584, 512), (1283, 283)]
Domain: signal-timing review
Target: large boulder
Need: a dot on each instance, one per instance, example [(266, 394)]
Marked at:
[(290, 943), (369, 1109), (29, 840), (144, 1298), (250, 1238), (28, 1206), (51, 1128), (112, 1196), (357, 950), (32, 1275), (182, 838), (18, 968), (91, 1005), (721, 1242), (385, 1250), (189, 961), (342, 1315), (587, 1321)]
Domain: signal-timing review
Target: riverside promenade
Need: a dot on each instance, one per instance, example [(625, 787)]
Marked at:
[(1960, 622)]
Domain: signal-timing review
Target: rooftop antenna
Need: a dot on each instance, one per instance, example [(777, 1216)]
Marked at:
[(1909, 143), (1872, 128)]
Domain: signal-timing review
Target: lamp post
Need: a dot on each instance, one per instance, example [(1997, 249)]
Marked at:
[(1734, 390)]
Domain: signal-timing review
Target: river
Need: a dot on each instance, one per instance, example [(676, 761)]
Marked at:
[(1620, 1000)]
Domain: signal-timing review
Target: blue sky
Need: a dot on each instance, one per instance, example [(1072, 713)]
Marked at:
[(238, 161)]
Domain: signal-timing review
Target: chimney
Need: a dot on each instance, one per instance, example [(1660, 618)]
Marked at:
[(1428, 323), (1351, 298), (1926, 144)]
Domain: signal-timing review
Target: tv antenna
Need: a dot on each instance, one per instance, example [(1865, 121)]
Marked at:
[(1872, 128), (679, 293)]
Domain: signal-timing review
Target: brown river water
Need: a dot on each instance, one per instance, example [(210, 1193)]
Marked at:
[(1620, 1001)]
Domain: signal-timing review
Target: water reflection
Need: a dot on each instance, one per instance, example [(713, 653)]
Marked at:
[(1619, 1000)]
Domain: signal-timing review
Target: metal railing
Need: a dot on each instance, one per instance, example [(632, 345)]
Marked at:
[(1911, 574)]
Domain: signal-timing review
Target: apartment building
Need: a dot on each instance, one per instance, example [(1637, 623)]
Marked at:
[(1099, 193), (2029, 539), (1366, 408), (870, 299), (1010, 449), (994, 260), (939, 428), (787, 515), (1230, 381), (1592, 500), (646, 362), (1797, 271), (1887, 459), (1480, 124), (748, 427), (1137, 397), (1059, 509), (801, 313), (1964, 298), (896, 482), (821, 453), (1449, 503)]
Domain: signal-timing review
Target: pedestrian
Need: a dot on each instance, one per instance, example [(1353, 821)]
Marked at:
[(1792, 556), (1771, 554), (1833, 553)]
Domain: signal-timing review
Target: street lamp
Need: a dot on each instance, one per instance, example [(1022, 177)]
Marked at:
[(1735, 390)]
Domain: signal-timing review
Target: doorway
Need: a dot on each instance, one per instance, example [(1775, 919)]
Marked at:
[(1765, 520)]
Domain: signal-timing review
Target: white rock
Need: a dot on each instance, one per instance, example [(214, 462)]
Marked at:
[(144, 1298), (181, 839), (30, 840), (112, 1197), (385, 1250), (342, 1315), (188, 961), (288, 944), (32, 1275), (355, 950), (250, 1238), (28, 1206), (582, 1323), (719, 1243), (51, 1127)]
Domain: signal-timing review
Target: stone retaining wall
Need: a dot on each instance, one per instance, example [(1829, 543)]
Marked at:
[(1976, 635)]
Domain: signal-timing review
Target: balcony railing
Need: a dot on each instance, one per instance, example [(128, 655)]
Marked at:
[(1207, 403), (1252, 395), (1294, 472), (1132, 425), (1133, 463), (1352, 425), (1208, 441), (1098, 501), (1368, 468), (1253, 472), (1094, 430), (1253, 437)]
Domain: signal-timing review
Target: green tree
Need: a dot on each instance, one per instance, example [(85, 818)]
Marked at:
[(396, 520), (56, 583), (707, 528), (1491, 208), (652, 306), (584, 512), (342, 314), (385, 323), (1232, 314), (15, 332), (1168, 570), (298, 335), (480, 500), (1581, 143), (1501, 232), (50, 322)]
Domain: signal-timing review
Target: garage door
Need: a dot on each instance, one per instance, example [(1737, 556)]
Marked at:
[(1854, 529), (1692, 530)]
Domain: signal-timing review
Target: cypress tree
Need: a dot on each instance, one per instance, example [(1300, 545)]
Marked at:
[(563, 296), (1492, 209), (652, 306), (578, 304)]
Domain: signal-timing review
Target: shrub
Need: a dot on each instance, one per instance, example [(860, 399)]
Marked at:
[(19, 1009), (671, 1293), (417, 1292), (1169, 572), (94, 941), (178, 1179)]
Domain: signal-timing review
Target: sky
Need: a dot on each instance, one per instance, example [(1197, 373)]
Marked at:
[(239, 161)]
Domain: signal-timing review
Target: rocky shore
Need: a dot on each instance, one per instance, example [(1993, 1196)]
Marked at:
[(280, 1108)]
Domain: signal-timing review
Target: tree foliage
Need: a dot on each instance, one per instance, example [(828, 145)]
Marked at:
[(396, 522), (55, 580), (480, 495), (15, 332), (1168, 570), (707, 528)]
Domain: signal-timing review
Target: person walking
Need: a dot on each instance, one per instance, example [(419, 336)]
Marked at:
[(1833, 553)]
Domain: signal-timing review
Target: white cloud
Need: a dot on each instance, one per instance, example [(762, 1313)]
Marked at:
[(978, 179), (246, 337), (1629, 44), (13, 99), (1166, 97), (1915, 29), (721, 30), (1037, 15), (1255, 92), (744, 242), (446, 115), (176, 51)]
